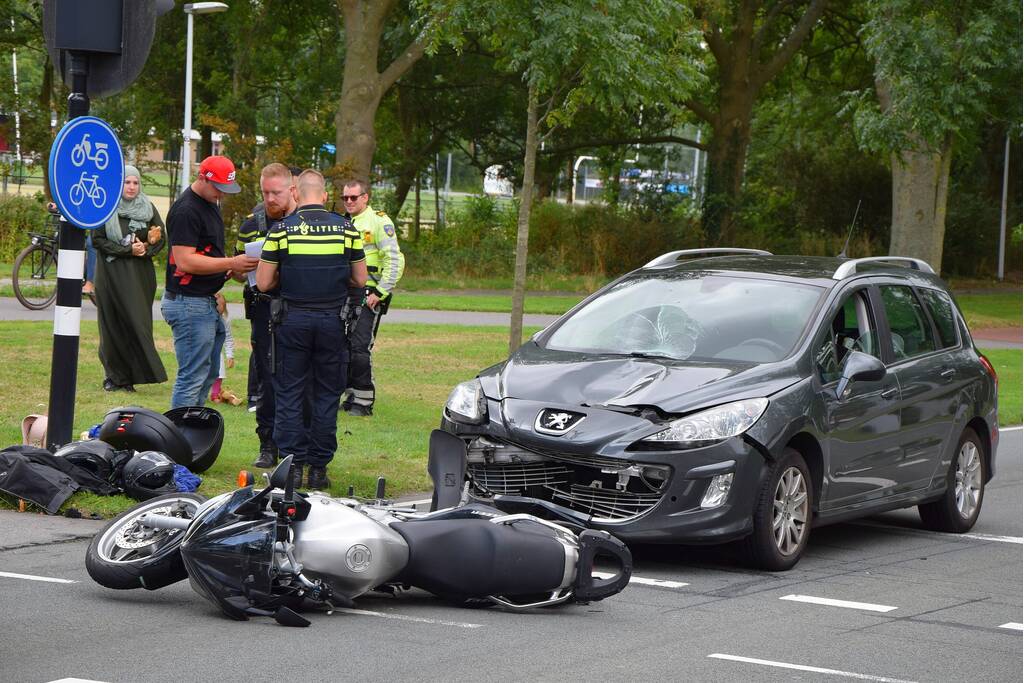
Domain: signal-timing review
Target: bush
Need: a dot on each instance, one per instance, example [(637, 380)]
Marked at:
[(480, 239), (18, 216)]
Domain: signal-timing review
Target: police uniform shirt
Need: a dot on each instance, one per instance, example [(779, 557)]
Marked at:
[(384, 259), (314, 249), (195, 223)]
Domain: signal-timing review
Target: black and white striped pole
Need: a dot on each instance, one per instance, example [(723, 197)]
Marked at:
[(67, 315)]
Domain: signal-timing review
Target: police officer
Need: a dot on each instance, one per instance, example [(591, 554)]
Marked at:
[(384, 263), (314, 256), (257, 230), (279, 201)]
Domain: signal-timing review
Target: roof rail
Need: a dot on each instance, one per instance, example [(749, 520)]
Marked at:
[(850, 267), (673, 256)]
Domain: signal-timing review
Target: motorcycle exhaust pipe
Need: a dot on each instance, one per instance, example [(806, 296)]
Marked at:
[(164, 521)]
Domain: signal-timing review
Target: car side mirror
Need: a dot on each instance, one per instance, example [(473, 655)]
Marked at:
[(859, 367)]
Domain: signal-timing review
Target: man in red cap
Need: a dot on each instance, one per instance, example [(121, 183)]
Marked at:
[(196, 270)]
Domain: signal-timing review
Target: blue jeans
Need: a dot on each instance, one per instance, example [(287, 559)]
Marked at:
[(198, 332), (312, 360)]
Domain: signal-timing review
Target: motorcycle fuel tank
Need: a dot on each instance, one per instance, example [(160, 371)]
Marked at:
[(346, 549)]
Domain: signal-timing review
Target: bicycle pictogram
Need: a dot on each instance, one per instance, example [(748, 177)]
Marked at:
[(83, 151), (88, 187)]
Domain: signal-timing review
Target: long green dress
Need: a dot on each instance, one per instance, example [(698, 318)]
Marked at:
[(125, 287)]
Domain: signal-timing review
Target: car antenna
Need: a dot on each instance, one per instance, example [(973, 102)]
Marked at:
[(853, 225)]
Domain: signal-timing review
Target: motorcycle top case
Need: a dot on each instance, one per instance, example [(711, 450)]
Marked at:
[(190, 436)]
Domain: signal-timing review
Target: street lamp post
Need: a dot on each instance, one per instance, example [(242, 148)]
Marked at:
[(191, 9)]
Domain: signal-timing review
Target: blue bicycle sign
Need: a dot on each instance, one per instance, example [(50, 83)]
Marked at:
[(86, 171), (87, 187)]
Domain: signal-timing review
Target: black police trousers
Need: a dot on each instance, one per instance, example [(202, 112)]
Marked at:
[(261, 343), (360, 371), (312, 355)]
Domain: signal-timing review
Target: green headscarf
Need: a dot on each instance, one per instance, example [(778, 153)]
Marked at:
[(138, 211)]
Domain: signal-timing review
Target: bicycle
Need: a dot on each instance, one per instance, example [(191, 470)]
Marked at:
[(34, 277)]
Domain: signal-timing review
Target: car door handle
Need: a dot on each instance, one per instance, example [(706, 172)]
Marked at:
[(948, 375), (889, 393)]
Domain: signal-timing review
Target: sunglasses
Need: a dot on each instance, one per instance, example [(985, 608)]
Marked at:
[(352, 197)]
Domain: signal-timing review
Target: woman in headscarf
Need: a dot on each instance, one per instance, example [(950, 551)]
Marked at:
[(125, 286)]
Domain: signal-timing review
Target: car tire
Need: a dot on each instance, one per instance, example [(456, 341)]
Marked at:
[(960, 505), (782, 514)]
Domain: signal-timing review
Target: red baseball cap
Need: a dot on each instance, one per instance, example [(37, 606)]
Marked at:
[(221, 173)]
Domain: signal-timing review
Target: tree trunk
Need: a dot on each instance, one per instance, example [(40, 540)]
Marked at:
[(727, 157), (363, 86), (515, 336), (920, 186)]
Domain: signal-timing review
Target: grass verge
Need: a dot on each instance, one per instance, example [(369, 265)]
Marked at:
[(417, 365)]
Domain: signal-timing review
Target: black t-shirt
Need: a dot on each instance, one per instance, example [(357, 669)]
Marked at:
[(194, 222)]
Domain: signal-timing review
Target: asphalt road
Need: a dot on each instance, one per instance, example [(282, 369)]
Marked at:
[(926, 607), (10, 309)]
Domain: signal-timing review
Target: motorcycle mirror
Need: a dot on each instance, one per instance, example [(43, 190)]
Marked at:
[(279, 477)]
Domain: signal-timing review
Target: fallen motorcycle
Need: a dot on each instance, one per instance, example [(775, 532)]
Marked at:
[(273, 551)]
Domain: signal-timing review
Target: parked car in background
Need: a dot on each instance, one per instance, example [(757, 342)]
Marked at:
[(724, 394)]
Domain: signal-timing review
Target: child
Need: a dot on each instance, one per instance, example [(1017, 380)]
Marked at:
[(218, 392)]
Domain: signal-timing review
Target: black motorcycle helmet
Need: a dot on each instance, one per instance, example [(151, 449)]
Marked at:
[(147, 475), (96, 456)]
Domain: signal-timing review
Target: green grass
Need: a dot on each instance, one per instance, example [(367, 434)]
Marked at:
[(996, 309), (416, 367), (1007, 363)]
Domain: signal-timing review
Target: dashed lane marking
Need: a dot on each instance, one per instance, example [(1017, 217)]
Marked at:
[(402, 617), (1013, 626), (802, 667), (661, 583), (839, 603), (75, 680), (953, 537), (29, 577)]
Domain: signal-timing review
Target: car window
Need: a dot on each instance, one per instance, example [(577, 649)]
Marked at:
[(849, 329), (692, 316), (911, 331), (941, 308)]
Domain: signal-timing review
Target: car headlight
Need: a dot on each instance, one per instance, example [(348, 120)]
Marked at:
[(714, 424), (466, 403)]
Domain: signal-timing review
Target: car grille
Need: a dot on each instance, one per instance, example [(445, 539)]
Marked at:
[(555, 482), (514, 479), (605, 504)]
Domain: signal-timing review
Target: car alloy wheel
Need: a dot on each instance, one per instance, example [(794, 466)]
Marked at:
[(968, 480), (791, 508)]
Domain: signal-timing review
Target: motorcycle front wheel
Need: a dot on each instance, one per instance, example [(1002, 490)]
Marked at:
[(127, 553)]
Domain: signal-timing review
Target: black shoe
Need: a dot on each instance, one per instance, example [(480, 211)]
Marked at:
[(128, 387), (268, 456), (296, 477), (318, 478), (108, 385), (356, 410)]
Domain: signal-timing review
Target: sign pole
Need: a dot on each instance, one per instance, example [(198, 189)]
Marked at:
[(67, 315)]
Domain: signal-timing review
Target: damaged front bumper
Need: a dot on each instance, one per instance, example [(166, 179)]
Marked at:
[(640, 496)]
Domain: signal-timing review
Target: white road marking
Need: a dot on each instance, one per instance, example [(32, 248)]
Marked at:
[(988, 537), (953, 537), (48, 579), (1011, 429), (662, 583), (839, 603), (75, 680), (1013, 626), (402, 617), (813, 669)]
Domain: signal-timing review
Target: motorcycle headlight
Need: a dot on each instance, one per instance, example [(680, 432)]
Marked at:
[(714, 424), (466, 403)]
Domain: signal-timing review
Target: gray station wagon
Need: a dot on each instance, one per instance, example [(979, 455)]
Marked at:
[(724, 394)]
